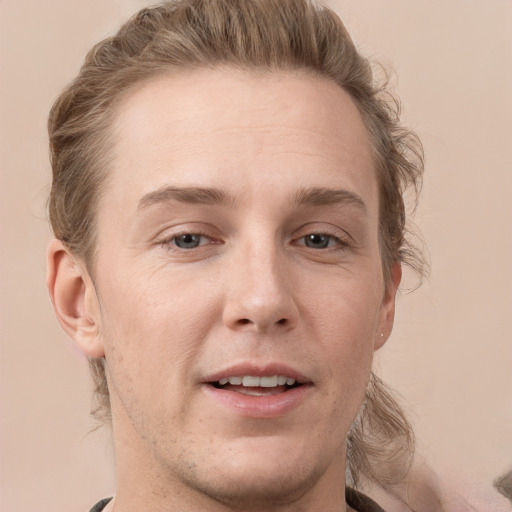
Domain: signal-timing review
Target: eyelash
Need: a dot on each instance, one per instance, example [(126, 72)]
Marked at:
[(169, 243), (340, 243)]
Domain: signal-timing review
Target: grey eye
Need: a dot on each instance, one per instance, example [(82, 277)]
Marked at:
[(317, 241), (188, 241)]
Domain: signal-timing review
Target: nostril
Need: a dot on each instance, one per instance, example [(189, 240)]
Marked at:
[(246, 321)]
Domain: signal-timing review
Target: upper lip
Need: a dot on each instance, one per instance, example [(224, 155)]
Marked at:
[(267, 370)]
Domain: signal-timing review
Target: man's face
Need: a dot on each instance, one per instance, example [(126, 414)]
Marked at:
[(239, 283)]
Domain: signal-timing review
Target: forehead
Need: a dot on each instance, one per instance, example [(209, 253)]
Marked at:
[(210, 127)]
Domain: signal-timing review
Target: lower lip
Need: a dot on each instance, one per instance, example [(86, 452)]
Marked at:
[(266, 406)]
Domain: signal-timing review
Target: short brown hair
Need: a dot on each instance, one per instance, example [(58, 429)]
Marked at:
[(257, 35)]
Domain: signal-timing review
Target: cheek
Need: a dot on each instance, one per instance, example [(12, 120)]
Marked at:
[(150, 304), (351, 357), (347, 310), (346, 320), (153, 331)]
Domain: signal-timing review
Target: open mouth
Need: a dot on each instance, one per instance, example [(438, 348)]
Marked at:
[(257, 386)]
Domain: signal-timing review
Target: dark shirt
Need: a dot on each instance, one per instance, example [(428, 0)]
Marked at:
[(360, 502), (355, 499), (100, 505)]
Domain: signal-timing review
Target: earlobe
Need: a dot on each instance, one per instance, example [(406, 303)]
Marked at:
[(387, 315), (74, 298)]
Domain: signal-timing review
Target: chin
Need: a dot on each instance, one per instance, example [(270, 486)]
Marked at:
[(256, 488), (262, 473)]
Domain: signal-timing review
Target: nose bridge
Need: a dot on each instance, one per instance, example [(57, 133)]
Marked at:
[(260, 295)]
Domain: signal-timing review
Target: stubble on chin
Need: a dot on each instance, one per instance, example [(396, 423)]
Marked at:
[(256, 492)]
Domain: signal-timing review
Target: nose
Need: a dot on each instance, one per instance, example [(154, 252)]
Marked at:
[(260, 294)]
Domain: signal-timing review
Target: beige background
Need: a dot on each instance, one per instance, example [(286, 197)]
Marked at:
[(451, 353)]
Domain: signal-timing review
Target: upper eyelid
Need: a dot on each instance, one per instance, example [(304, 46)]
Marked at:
[(331, 230), (194, 228)]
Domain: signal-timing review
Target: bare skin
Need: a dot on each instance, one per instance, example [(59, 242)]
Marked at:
[(237, 237)]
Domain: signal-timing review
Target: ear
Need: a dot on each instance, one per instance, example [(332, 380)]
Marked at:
[(387, 312), (74, 298)]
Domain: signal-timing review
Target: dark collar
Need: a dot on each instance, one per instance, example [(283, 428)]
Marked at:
[(355, 499), (360, 502)]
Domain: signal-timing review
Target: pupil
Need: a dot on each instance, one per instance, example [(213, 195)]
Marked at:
[(187, 241), (317, 241)]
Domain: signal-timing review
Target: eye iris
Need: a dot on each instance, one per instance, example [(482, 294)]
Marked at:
[(317, 241), (187, 241)]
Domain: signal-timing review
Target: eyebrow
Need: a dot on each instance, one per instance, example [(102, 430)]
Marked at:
[(190, 195), (316, 196), (321, 196)]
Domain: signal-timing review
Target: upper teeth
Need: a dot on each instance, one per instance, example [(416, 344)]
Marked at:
[(264, 382)]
